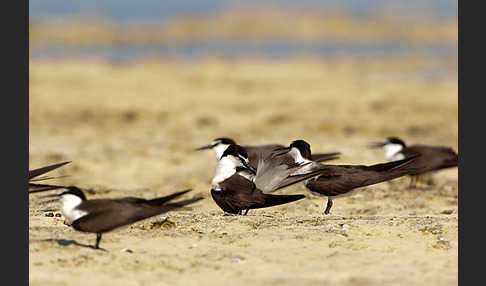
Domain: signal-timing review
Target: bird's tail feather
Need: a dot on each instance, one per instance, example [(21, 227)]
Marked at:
[(37, 188), (162, 200), (274, 200), (294, 179), (399, 164), (39, 171), (181, 204), (325, 156)]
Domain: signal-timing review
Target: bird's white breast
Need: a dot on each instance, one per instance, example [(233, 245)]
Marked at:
[(392, 152), (69, 207), (226, 168)]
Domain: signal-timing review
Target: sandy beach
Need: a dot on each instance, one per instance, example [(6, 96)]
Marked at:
[(131, 130)]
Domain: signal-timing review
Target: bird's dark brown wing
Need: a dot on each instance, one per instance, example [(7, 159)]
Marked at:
[(340, 179), (431, 157), (106, 214), (237, 193), (321, 157)]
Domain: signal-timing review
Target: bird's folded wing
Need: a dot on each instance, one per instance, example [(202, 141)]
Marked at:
[(274, 172), (105, 215)]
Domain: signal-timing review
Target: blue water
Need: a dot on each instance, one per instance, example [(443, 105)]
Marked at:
[(234, 48), (123, 11), (131, 10)]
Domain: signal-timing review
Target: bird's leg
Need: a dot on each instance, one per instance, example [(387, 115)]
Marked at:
[(240, 212), (98, 239), (413, 182), (428, 179), (246, 211), (421, 181), (329, 205)]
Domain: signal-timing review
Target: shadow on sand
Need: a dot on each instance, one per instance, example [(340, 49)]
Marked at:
[(64, 242)]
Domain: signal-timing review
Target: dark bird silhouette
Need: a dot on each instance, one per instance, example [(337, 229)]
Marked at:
[(237, 186), (103, 215), (340, 180), (432, 158), (34, 177), (255, 152)]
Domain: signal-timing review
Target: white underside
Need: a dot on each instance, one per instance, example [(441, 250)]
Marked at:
[(69, 205), (392, 152), (225, 168)]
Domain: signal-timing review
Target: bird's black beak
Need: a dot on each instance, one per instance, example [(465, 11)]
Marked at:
[(205, 147), (377, 144)]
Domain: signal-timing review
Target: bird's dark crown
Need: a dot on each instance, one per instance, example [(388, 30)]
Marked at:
[(74, 191), (395, 140), (303, 147), (224, 140), (235, 150)]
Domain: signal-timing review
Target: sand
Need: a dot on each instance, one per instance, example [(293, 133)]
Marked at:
[(130, 130)]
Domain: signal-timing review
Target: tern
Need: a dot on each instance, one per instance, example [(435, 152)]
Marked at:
[(34, 177), (255, 152), (237, 186), (432, 158), (103, 215), (340, 180)]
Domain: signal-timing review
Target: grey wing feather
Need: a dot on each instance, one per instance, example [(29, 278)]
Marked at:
[(274, 172)]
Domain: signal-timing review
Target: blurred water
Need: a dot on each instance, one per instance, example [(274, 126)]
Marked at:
[(123, 11), (129, 10), (234, 49)]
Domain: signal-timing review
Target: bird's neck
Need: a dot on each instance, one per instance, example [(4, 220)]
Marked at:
[(219, 150), (391, 151), (226, 168), (70, 203), (295, 153)]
